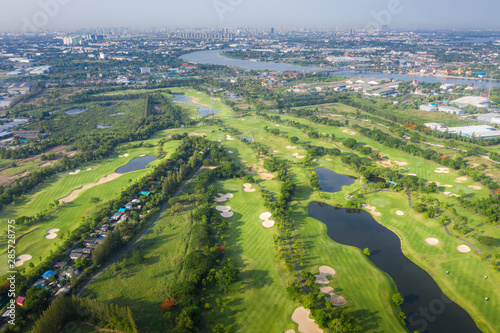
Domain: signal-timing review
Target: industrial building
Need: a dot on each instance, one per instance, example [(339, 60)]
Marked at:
[(477, 101), (429, 108), (451, 109), (489, 117), (19, 88), (480, 132)]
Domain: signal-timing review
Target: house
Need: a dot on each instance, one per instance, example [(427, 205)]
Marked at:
[(116, 216), (48, 274), (26, 134), (20, 300), (121, 210), (129, 206), (435, 126), (40, 283), (60, 264), (87, 250)]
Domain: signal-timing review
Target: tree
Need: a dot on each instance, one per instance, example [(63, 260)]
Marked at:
[(366, 251), (95, 200), (397, 299), (294, 139)]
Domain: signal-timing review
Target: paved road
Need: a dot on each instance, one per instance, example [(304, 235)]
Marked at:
[(131, 246)]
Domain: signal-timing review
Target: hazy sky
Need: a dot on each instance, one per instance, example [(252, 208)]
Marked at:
[(16, 15)]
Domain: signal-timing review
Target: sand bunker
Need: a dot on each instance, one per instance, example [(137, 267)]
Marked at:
[(400, 213), (51, 233), (197, 134), (412, 174), (328, 159), (290, 331), (463, 249), (74, 172), (219, 140), (248, 188), (223, 197), (460, 179), (442, 170), (227, 214), (22, 258), (475, 187), (142, 155), (228, 137), (400, 163), (306, 324), (324, 271), (223, 208), (372, 209), (290, 147), (230, 151), (335, 299), (73, 195), (432, 241), (267, 223), (277, 125), (451, 194), (88, 169), (349, 132), (297, 155), (124, 155)]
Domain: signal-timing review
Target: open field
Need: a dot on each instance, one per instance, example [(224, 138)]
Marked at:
[(143, 286)]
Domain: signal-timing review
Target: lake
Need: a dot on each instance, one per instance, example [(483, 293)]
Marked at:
[(139, 163), (332, 182), (203, 111), (214, 57), (426, 307), (76, 110)]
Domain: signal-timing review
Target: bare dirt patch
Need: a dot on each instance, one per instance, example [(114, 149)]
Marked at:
[(197, 134)]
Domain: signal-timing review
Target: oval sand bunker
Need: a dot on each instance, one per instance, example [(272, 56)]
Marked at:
[(400, 213), (463, 249), (432, 241)]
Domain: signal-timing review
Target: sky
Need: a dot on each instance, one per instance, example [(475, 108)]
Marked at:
[(30, 15)]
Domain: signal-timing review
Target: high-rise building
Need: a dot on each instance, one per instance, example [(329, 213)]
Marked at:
[(272, 30)]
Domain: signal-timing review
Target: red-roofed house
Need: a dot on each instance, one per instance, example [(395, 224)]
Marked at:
[(20, 300)]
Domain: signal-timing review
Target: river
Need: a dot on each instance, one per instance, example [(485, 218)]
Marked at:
[(215, 57)]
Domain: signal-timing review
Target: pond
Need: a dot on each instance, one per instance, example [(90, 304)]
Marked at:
[(139, 163), (103, 127), (426, 307), (203, 111), (76, 110), (332, 182), (247, 138), (376, 180)]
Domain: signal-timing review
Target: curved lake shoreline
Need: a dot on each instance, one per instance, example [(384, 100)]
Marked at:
[(139, 163), (332, 182), (427, 308), (203, 111)]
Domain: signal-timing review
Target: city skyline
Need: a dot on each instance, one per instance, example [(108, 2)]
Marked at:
[(38, 15)]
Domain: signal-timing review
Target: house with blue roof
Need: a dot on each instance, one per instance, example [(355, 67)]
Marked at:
[(48, 274)]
